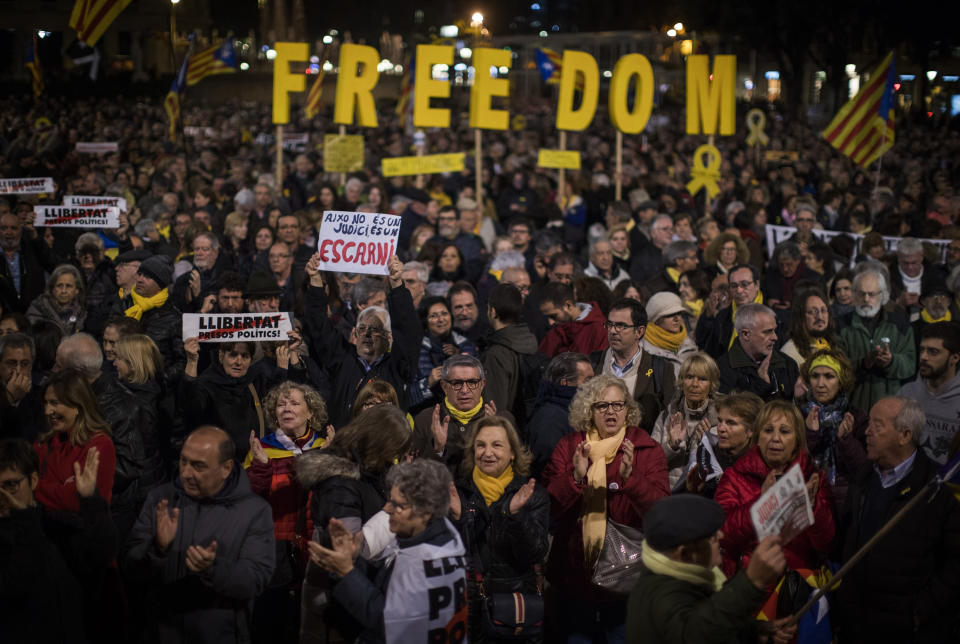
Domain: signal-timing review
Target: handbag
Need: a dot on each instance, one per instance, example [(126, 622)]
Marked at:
[(619, 565), (512, 616)]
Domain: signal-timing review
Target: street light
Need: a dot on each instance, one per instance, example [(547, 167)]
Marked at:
[(679, 27), (477, 17), (173, 23)]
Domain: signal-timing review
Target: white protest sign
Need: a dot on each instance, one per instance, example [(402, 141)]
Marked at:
[(778, 234), (233, 327), (784, 509), (93, 200), (97, 148), (357, 242), (26, 186), (77, 216), (295, 142)]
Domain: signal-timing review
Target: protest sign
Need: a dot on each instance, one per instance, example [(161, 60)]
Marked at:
[(781, 155), (26, 186), (784, 509), (342, 153), (429, 164), (778, 234), (295, 142), (565, 159), (97, 148), (92, 200), (230, 327), (357, 242), (77, 216)]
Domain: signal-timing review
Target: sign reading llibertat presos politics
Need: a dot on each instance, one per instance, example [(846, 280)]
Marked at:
[(26, 186), (236, 327), (357, 242), (95, 200), (76, 216)]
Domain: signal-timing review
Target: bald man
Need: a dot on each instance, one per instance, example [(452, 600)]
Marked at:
[(203, 545)]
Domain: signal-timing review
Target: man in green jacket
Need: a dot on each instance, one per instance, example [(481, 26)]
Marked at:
[(681, 596), (879, 343)]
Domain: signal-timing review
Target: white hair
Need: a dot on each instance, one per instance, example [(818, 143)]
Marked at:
[(881, 278), (508, 259), (82, 353), (423, 273), (380, 312), (909, 246), (911, 416), (747, 315)]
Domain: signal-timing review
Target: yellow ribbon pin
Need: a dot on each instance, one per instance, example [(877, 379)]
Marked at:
[(756, 121), (649, 372), (705, 175)]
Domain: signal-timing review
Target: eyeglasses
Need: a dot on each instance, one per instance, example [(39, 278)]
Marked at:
[(471, 384), (742, 285), (804, 220), (619, 327), (438, 316), (12, 485), (818, 312), (283, 256), (870, 294), (372, 330), (603, 407), (398, 507)]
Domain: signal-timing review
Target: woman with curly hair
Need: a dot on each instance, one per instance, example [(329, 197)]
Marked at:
[(607, 468), (726, 251), (297, 414)]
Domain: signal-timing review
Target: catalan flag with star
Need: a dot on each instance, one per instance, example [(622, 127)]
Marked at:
[(405, 102), (219, 59), (91, 18), (863, 128), (172, 102), (550, 63), (312, 107), (32, 62)]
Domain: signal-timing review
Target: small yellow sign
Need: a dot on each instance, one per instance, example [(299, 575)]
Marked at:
[(428, 164), (566, 159), (342, 153)]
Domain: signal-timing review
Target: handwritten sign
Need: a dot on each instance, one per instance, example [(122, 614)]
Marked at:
[(342, 153), (357, 242), (97, 148), (26, 186), (229, 327), (566, 159), (92, 200), (428, 164), (784, 509), (77, 216)]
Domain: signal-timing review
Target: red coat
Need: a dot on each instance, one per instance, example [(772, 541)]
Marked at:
[(580, 336), (627, 502), (57, 489), (740, 487)]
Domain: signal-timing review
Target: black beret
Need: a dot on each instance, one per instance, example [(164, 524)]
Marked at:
[(132, 256), (936, 286), (680, 519)]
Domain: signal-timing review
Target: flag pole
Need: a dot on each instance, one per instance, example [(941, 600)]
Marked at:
[(279, 168), (561, 178), (477, 166), (883, 142), (343, 175), (618, 190)]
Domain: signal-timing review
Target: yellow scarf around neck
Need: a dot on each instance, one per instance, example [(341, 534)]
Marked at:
[(674, 274), (143, 304), (462, 417), (929, 319), (660, 564), (663, 339), (695, 306), (602, 451), (820, 343), (733, 313), (492, 487)]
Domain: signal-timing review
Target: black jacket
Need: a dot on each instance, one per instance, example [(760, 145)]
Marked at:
[(549, 423), (912, 573), (339, 358), (457, 435), (713, 332), (738, 372), (100, 297), (164, 325), (501, 356), (35, 258)]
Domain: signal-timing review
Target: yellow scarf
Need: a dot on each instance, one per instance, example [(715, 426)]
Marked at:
[(660, 564), (929, 319), (164, 232), (497, 274), (492, 487), (695, 306), (733, 314), (663, 339), (463, 417), (820, 343), (594, 511), (143, 304), (674, 274)]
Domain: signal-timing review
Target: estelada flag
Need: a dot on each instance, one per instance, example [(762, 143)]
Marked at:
[(92, 17), (405, 102), (863, 128), (312, 107), (171, 104), (550, 63), (32, 62), (219, 59)]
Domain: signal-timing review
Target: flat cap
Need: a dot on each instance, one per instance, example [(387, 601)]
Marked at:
[(680, 519)]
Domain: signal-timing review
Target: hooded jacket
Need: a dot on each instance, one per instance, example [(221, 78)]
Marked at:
[(549, 423), (740, 487), (213, 605), (501, 363), (580, 336), (942, 410)]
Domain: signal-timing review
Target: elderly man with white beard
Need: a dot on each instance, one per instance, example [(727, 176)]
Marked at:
[(879, 342)]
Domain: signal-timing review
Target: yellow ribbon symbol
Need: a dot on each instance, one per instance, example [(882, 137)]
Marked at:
[(705, 175), (756, 121)]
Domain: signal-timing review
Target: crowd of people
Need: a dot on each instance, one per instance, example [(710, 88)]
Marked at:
[(456, 450)]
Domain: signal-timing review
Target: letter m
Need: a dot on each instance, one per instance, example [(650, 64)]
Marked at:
[(709, 100)]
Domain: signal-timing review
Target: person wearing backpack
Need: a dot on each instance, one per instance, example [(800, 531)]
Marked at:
[(510, 358)]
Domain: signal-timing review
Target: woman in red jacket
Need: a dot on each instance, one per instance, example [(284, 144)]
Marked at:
[(609, 463), (297, 414), (74, 426), (779, 443)]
